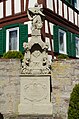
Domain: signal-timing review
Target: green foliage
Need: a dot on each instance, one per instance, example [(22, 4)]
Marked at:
[(73, 110), (13, 54), (63, 56)]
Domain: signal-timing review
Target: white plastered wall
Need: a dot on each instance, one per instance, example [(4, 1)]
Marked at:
[(8, 8), (70, 15), (1, 10), (46, 31), (56, 6), (32, 3), (50, 4), (75, 18), (17, 6), (46, 26), (60, 8), (29, 23), (65, 13)]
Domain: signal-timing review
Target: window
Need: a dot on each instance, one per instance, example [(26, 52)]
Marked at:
[(62, 41), (12, 39), (77, 47), (74, 3), (68, 1)]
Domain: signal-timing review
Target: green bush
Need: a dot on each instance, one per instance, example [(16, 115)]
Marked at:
[(13, 55), (73, 110), (63, 56)]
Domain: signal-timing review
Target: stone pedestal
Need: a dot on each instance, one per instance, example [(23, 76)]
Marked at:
[(35, 95)]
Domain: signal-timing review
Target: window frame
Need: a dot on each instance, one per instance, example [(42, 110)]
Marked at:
[(7, 38), (76, 46), (65, 44)]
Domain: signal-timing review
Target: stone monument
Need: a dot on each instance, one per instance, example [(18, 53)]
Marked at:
[(36, 74)]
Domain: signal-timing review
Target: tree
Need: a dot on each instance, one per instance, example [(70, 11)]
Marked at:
[(73, 110)]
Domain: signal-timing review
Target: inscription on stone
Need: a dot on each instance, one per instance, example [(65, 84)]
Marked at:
[(35, 91)]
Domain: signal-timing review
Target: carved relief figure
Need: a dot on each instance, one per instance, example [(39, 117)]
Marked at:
[(35, 14)]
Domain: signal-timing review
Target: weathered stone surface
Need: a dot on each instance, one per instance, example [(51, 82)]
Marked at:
[(9, 86), (62, 86), (36, 56), (35, 95), (33, 117), (35, 80), (65, 74)]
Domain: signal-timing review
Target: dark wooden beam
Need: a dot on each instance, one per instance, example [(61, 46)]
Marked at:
[(2, 0), (63, 8), (67, 13), (73, 17), (40, 1), (12, 4), (43, 32), (57, 6), (22, 5), (4, 9), (57, 19), (20, 18), (50, 53), (54, 6), (44, 4), (48, 35), (27, 2)]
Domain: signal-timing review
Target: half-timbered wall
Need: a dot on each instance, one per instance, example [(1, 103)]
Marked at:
[(62, 9), (13, 7), (57, 12)]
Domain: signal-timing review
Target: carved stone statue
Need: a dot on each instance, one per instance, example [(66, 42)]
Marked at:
[(35, 14), (36, 57)]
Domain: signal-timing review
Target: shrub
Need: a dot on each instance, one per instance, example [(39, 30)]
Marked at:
[(63, 56), (73, 110), (13, 54)]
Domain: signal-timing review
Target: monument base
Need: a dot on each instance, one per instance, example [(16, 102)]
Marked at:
[(35, 109), (35, 95), (33, 117)]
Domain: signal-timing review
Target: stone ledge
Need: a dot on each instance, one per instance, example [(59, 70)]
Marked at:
[(35, 117), (34, 75), (8, 60), (35, 109)]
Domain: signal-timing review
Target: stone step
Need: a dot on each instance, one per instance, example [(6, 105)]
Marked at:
[(34, 117)]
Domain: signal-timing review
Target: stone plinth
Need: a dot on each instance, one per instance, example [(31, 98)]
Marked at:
[(35, 95), (34, 117)]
